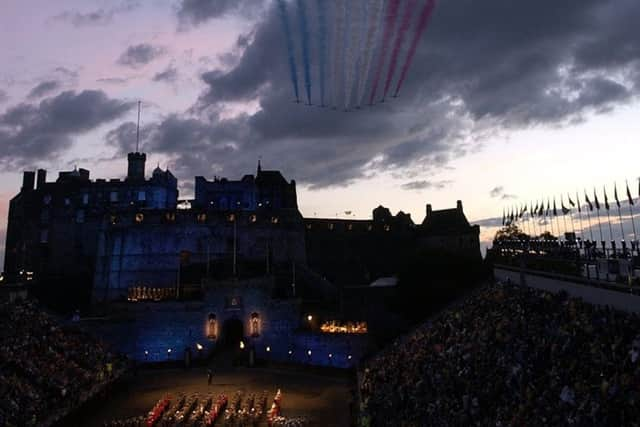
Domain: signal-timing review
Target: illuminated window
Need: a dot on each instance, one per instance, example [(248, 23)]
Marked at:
[(80, 216), (253, 218), (387, 227), (142, 196), (170, 216), (330, 226), (85, 199), (44, 236), (202, 217), (139, 217), (46, 199), (67, 201), (113, 219), (308, 226), (212, 326), (231, 217), (349, 227), (274, 220), (255, 324), (369, 227), (113, 196)]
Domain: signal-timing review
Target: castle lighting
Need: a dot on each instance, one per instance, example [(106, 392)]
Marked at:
[(268, 349), (241, 345), (199, 346)]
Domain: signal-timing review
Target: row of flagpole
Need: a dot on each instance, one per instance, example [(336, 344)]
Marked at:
[(514, 215)]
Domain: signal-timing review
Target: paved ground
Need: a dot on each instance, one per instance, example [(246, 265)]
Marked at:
[(323, 396)]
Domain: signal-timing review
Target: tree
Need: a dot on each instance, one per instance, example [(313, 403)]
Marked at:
[(510, 232)]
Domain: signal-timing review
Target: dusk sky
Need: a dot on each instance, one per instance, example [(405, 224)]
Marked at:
[(506, 102)]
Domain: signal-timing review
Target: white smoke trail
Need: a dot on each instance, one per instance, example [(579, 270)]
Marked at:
[(339, 10), (356, 22), (373, 32)]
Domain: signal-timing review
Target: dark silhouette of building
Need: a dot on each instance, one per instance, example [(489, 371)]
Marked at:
[(78, 238)]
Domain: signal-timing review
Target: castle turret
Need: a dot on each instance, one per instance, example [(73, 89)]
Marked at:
[(135, 171)]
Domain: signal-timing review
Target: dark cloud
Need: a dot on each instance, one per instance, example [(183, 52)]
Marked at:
[(114, 80), (168, 75), (3, 96), (43, 89), (95, 17), (195, 12), (141, 54), (426, 185), (482, 67), (32, 132), (496, 192)]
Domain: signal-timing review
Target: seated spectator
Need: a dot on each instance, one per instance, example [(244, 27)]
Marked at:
[(510, 356), (46, 370)]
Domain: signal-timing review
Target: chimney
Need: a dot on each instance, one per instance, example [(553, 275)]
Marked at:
[(429, 210), (42, 178), (459, 206), (135, 171), (28, 179)]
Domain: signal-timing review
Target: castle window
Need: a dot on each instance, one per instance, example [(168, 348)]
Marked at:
[(139, 217), (350, 227), (387, 227), (46, 199), (142, 196), (201, 218), (113, 196), (231, 217), (330, 226), (308, 226), (113, 219), (170, 216), (255, 325), (274, 220), (369, 227), (253, 218), (80, 216), (67, 201), (85, 199), (44, 236), (212, 326), (44, 216)]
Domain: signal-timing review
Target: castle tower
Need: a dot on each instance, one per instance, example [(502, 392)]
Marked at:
[(135, 171)]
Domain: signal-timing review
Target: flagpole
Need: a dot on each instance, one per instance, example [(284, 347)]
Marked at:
[(580, 217), (533, 223), (633, 222)]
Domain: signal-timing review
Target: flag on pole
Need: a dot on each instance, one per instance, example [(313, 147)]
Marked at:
[(548, 208), (606, 199), (535, 210), (615, 194), (595, 195), (578, 201), (586, 198), (555, 211), (503, 217), (629, 193), (573, 205), (564, 208)]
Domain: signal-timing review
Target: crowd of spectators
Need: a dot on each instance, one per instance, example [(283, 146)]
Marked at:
[(509, 356), (46, 369)]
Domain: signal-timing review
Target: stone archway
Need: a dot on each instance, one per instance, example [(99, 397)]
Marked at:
[(232, 332)]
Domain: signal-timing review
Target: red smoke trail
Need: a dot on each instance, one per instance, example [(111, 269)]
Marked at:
[(402, 31), (423, 22), (389, 22)]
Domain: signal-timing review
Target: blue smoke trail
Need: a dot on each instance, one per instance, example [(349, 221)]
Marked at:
[(304, 31), (322, 45), (282, 7)]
